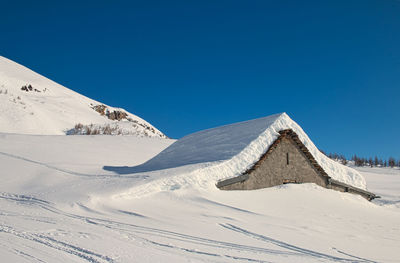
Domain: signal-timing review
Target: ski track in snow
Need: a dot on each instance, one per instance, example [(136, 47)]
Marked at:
[(85, 254), (145, 233), (44, 240), (294, 248)]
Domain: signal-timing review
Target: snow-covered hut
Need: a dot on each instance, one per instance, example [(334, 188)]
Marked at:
[(287, 160), (254, 154)]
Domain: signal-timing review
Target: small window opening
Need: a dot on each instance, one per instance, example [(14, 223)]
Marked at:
[(346, 189), (289, 181), (287, 158)]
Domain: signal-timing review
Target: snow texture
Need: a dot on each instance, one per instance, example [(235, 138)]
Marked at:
[(204, 157), (51, 109), (57, 204)]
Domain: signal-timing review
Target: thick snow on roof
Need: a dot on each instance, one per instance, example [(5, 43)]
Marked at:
[(207, 156), (212, 145)]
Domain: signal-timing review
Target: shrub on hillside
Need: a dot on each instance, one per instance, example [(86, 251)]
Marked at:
[(92, 129)]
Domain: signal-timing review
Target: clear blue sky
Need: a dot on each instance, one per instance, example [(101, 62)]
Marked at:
[(184, 66)]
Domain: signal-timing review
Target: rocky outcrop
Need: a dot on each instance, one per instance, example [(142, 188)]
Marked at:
[(117, 115), (112, 115), (28, 88), (100, 109)]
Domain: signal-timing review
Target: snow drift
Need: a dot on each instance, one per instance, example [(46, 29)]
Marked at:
[(205, 157)]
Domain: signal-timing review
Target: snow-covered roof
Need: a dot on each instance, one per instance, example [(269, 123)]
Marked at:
[(228, 151)]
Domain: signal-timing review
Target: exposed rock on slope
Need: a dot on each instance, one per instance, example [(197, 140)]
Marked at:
[(33, 104)]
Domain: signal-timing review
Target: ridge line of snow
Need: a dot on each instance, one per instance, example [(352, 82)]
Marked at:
[(50, 108)]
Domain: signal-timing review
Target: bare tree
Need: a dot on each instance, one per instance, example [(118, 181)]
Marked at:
[(376, 161), (392, 162)]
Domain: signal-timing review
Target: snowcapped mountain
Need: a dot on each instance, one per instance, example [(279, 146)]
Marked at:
[(33, 104)]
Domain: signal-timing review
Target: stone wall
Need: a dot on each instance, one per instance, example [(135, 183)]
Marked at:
[(288, 161), (341, 187), (284, 163)]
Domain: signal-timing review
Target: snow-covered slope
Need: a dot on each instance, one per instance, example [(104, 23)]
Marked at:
[(204, 157), (58, 205), (33, 104)]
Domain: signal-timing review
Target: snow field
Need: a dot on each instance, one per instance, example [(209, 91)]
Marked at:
[(56, 205)]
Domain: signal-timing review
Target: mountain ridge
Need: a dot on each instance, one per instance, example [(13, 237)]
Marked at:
[(33, 104)]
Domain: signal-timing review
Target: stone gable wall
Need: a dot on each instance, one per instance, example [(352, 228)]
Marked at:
[(274, 169)]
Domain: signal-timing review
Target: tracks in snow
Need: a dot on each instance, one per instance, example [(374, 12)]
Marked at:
[(171, 241), (304, 251), (50, 242), (45, 240)]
